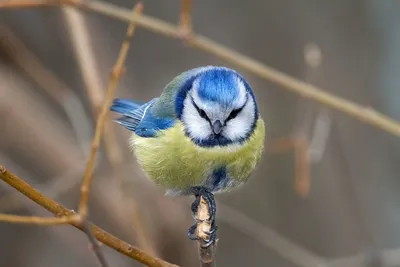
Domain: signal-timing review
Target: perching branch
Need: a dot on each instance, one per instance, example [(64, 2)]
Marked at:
[(207, 255), (113, 83), (101, 235)]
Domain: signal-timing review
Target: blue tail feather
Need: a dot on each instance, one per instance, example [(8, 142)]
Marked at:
[(122, 106), (128, 123)]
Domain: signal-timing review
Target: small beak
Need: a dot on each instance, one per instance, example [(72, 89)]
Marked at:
[(217, 127)]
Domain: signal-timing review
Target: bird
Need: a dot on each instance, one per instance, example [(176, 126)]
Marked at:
[(202, 136)]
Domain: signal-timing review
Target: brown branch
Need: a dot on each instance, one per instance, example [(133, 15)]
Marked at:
[(299, 144), (37, 220), (95, 246), (112, 85), (101, 235), (364, 114), (28, 3), (302, 183), (207, 255), (80, 38), (185, 17)]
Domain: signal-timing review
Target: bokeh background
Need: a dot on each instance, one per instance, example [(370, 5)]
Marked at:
[(51, 58)]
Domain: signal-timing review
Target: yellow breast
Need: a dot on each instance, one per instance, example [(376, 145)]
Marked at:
[(173, 161)]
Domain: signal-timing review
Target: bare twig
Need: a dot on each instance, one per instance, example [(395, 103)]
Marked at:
[(185, 17), (81, 42), (364, 114), (37, 220), (95, 246), (302, 183), (299, 145), (101, 235), (113, 83), (285, 248), (207, 255), (80, 38), (47, 80)]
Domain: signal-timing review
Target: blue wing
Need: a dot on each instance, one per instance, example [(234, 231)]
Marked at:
[(139, 118)]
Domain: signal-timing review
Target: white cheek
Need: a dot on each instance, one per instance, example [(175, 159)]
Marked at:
[(242, 93), (240, 126), (196, 126)]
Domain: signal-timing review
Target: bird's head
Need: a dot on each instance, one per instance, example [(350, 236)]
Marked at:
[(217, 107)]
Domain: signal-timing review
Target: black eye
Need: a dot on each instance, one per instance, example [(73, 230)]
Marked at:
[(202, 114), (234, 113)]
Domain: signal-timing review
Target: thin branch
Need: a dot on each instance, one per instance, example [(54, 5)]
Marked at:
[(28, 3), (364, 114), (80, 38), (185, 17), (37, 220), (101, 235), (302, 183), (207, 255), (113, 83), (95, 246), (299, 145), (47, 80), (285, 248)]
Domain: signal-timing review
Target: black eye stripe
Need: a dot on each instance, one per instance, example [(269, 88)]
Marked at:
[(201, 112), (236, 112)]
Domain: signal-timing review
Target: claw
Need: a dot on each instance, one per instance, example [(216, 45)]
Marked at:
[(211, 231), (209, 242), (192, 232), (195, 204), (206, 245), (210, 200)]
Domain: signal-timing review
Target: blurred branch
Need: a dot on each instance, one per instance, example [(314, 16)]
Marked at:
[(302, 167), (80, 38), (101, 235), (364, 114), (185, 17), (113, 83), (47, 80), (31, 65), (320, 136), (302, 161), (297, 255)]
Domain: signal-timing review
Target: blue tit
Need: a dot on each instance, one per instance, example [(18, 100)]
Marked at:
[(202, 136)]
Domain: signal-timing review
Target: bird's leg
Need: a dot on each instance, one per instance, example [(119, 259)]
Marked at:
[(201, 192)]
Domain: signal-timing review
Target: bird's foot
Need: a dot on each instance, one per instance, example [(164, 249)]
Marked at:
[(200, 192)]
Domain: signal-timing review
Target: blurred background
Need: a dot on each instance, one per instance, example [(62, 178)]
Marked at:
[(326, 192)]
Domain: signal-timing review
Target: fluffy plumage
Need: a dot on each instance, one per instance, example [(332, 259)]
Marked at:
[(204, 130)]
